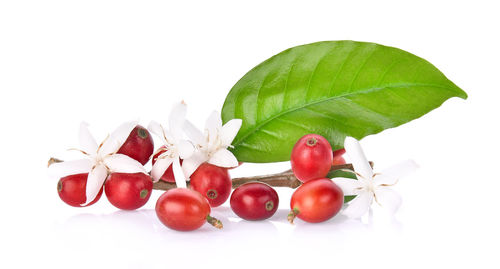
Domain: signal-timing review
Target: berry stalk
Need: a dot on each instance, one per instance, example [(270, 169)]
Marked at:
[(214, 222), (291, 216)]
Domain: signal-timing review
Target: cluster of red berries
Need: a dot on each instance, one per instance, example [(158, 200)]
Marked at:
[(318, 199), (123, 190)]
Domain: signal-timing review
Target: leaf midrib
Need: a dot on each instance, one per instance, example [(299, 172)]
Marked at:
[(259, 126)]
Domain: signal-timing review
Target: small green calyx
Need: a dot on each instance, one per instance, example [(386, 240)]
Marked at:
[(143, 193), (269, 205), (142, 133), (311, 141), (212, 194)]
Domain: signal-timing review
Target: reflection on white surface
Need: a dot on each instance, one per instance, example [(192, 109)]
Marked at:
[(143, 223), (131, 234)]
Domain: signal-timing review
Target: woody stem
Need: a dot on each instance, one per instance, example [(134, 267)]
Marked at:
[(283, 179)]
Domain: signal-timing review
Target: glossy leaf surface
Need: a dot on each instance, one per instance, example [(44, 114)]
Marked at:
[(332, 88)]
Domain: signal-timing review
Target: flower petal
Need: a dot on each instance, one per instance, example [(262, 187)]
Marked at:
[(155, 128), (223, 158), (359, 205), (358, 158), (166, 154), (388, 199), (87, 141), (194, 133), (192, 163), (70, 168), (180, 178), (176, 120), (229, 131), (116, 139), (348, 185), (185, 149), (95, 180), (159, 168), (120, 163), (391, 175), (213, 126)]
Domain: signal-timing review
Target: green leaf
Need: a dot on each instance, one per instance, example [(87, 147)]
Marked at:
[(332, 88)]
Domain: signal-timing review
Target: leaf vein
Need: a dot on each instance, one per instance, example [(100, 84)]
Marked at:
[(342, 67), (361, 67), (257, 127), (285, 91)]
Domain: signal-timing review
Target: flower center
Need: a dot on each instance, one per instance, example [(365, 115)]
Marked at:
[(98, 160), (370, 187)]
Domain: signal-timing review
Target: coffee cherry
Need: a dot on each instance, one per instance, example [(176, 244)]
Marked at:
[(338, 158), (213, 182), (184, 210), (71, 190), (128, 191), (316, 201), (254, 201), (139, 145), (311, 157)]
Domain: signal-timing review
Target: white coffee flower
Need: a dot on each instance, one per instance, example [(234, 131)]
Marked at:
[(175, 146), (212, 144), (101, 159), (370, 186)]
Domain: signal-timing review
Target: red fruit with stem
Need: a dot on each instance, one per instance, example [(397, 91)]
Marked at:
[(71, 190), (254, 201), (316, 201), (213, 182), (184, 210), (139, 145), (338, 158), (168, 176), (128, 191), (311, 157)]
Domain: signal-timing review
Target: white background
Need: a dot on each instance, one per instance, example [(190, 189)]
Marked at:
[(106, 62)]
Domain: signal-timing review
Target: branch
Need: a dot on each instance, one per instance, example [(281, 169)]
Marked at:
[(283, 179)]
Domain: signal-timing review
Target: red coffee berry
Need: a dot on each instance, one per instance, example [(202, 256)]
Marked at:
[(184, 210), (254, 201), (139, 145), (316, 201), (213, 182), (338, 158), (71, 190), (128, 191), (311, 157)]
